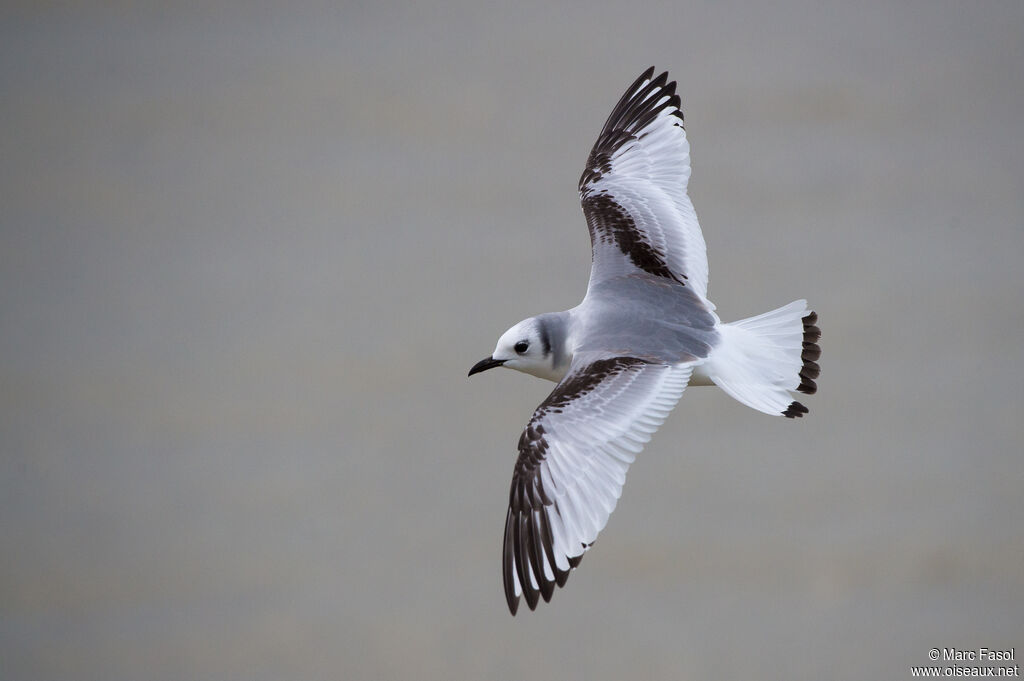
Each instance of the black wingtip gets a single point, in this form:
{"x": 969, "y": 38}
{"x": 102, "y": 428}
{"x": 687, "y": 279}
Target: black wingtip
{"x": 507, "y": 566}
{"x": 531, "y": 595}
{"x": 631, "y": 114}
{"x": 640, "y": 80}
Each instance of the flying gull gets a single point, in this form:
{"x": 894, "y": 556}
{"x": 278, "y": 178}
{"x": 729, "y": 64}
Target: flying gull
{"x": 622, "y": 357}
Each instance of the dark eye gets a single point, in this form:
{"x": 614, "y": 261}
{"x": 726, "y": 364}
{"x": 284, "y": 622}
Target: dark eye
{"x": 521, "y": 347}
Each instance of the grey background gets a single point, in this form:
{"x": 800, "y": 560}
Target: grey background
{"x": 249, "y": 252}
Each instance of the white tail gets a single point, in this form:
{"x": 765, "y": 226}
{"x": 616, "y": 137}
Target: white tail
{"x": 762, "y": 359}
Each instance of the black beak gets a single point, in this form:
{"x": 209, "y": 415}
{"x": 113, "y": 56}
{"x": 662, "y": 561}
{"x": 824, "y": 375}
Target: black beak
{"x": 485, "y": 364}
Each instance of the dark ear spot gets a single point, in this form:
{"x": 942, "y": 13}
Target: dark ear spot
{"x": 545, "y": 340}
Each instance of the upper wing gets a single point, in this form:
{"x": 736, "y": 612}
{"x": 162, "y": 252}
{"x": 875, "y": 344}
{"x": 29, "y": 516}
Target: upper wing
{"x": 633, "y": 190}
{"x": 573, "y": 458}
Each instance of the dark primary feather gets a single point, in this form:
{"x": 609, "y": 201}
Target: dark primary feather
{"x": 630, "y": 115}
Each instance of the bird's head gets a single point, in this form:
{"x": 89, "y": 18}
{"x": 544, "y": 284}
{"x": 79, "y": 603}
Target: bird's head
{"x": 525, "y": 347}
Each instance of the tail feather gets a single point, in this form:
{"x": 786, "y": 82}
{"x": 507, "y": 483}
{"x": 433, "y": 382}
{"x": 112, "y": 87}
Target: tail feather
{"x": 761, "y": 360}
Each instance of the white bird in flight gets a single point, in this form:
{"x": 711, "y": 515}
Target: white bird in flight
{"x": 622, "y": 357}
